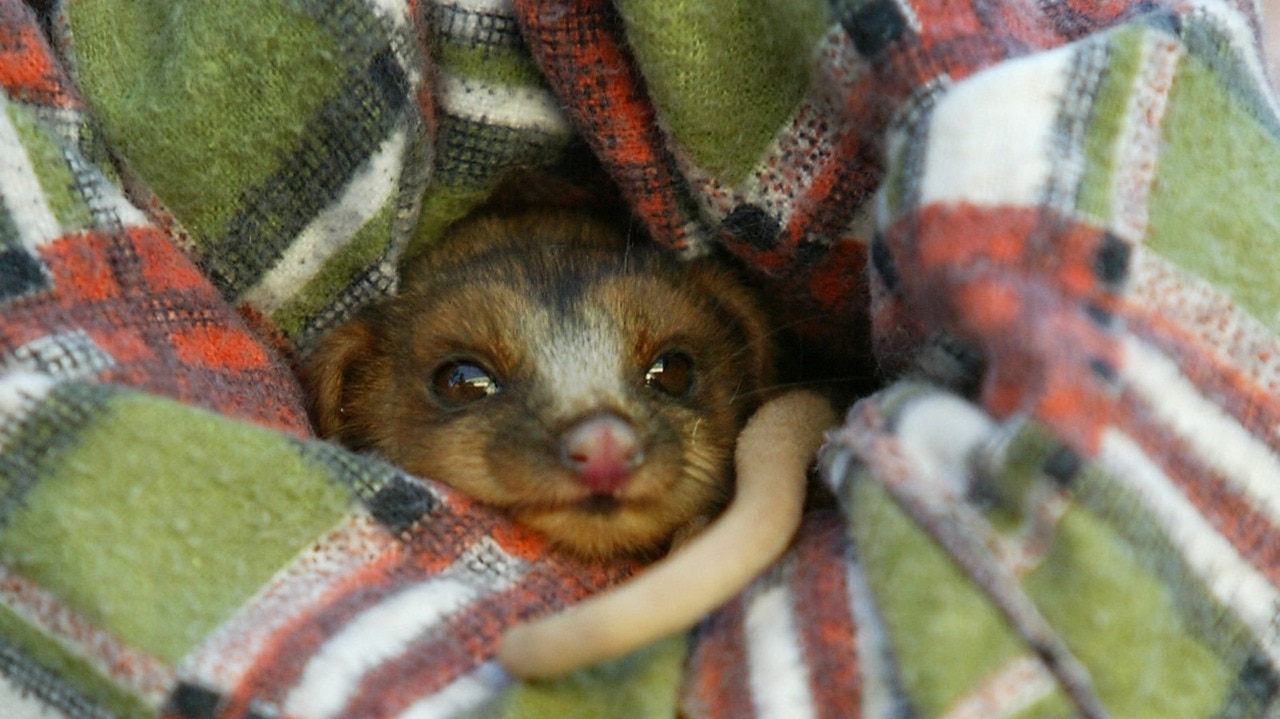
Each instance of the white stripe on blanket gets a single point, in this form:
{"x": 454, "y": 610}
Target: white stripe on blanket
{"x": 1010, "y": 160}
{"x": 1217, "y": 438}
{"x": 497, "y": 7}
{"x": 368, "y": 193}
{"x": 397, "y": 11}
{"x": 519, "y": 108}
{"x": 22, "y": 194}
{"x": 65, "y": 355}
{"x": 480, "y": 27}
{"x": 387, "y": 629}
{"x": 778, "y": 672}
{"x": 381, "y": 633}
{"x": 940, "y": 433}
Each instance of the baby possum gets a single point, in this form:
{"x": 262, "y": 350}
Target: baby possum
{"x": 591, "y": 387}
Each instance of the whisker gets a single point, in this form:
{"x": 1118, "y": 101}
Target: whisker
{"x": 802, "y": 384}
{"x": 774, "y": 332}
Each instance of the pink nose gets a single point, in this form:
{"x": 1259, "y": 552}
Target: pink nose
{"x": 603, "y": 450}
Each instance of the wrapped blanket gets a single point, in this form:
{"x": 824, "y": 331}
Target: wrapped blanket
{"x": 1043, "y": 232}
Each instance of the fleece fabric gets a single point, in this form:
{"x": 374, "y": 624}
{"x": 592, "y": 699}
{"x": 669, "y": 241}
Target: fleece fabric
{"x": 1044, "y": 235}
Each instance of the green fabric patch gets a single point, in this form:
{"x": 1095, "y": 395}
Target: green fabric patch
{"x": 9, "y": 239}
{"x": 47, "y": 431}
{"x": 1016, "y": 476}
{"x": 946, "y": 636}
{"x": 164, "y": 519}
{"x": 75, "y": 670}
{"x": 487, "y": 64}
{"x": 47, "y": 159}
{"x": 364, "y": 250}
{"x": 725, "y": 100}
{"x": 202, "y": 98}
{"x": 893, "y": 188}
{"x": 644, "y": 685}
{"x": 442, "y": 207}
{"x": 1208, "y": 40}
{"x": 1114, "y": 614}
{"x": 1106, "y": 120}
{"x": 1213, "y": 210}
{"x": 1213, "y": 627}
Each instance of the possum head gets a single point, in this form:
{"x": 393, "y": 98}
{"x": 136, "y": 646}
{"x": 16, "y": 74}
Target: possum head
{"x": 592, "y": 389}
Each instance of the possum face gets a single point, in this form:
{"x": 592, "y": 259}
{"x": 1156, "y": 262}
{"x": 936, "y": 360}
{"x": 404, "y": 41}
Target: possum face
{"x": 591, "y": 390}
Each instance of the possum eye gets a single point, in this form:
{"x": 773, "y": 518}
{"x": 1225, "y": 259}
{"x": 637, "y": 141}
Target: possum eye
{"x": 671, "y": 374}
{"x": 457, "y": 383}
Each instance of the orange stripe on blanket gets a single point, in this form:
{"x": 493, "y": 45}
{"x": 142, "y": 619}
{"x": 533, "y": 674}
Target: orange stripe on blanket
{"x": 28, "y": 70}
{"x": 611, "y": 108}
{"x": 1018, "y": 283}
{"x": 520, "y": 542}
{"x": 283, "y": 657}
{"x": 955, "y": 237}
{"x": 81, "y": 268}
{"x": 85, "y": 266}
{"x": 828, "y": 635}
{"x": 960, "y": 245}
{"x": 216, "y": 345}
{"x": 1256, "y": 408}
{"x": 717, "y": 685}
{"x": 419, "y": 555}
{"x": 1050, "y": 360}
{"x": 164, "y": 266}
{"x": 838, "y": 278}
{"x": 144, "y": 303}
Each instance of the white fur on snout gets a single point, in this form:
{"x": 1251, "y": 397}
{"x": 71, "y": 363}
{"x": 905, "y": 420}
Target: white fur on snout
{"x": 579, "y": 360}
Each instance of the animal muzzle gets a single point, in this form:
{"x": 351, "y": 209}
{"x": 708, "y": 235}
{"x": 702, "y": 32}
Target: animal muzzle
{"x": 602, "y": 451}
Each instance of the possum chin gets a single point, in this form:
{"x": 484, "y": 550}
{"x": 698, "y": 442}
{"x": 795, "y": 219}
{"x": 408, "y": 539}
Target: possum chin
{"x": 599, "y": 505}
{"x": 587, "y": 531}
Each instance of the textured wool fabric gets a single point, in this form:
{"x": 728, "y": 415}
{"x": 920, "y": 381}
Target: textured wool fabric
{"x": 747, "y": 63}
{"x": 1047, "y": 235}
{"x": 288, "y": 177}
{"x": 1109, "y": 492}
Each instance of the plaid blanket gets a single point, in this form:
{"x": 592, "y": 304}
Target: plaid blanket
{"x": 1041, "y": 231}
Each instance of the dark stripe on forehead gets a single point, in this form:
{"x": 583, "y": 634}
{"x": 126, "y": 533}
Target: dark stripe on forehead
{"x": 557, "y": 275}
{"x": 594, "y": 267}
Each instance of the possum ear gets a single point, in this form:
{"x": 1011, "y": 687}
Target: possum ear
{"x": 332, "y": 373}
{"x": 749, "y": 312}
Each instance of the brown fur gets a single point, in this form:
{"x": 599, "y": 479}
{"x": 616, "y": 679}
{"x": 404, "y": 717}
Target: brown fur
{"x": 501, "y": 290}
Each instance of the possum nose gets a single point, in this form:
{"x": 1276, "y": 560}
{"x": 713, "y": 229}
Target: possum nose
{"x": 602, "y": 450}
